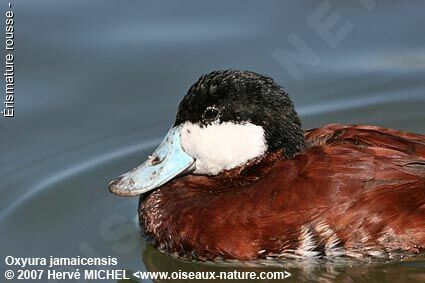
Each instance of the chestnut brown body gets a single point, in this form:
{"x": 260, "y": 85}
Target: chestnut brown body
{"x": 355, "y": 191}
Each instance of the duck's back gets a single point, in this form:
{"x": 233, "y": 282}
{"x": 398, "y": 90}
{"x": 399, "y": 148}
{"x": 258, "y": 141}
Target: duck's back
{"x": 369, "y": 153}
{"x": 377, "y": 176}
{"x": 356, "y": 191}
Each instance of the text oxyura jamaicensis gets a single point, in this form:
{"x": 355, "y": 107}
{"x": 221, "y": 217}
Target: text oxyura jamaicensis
{"x": 236, "y": 177}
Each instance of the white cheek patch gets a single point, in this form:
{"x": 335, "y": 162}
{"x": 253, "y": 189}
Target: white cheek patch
{"x": 224, "y": 146}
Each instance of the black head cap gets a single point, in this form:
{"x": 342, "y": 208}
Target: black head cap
{"x": 244, "y": 96}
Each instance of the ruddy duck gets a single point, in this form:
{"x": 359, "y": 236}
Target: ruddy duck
{"x": 236, "y": 177}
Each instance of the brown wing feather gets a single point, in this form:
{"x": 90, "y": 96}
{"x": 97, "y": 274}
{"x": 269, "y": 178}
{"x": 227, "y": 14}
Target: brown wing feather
{"x": 356, "y": 191}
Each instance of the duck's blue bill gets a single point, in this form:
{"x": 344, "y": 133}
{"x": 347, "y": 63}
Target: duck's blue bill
{"x": 168, "y": 161}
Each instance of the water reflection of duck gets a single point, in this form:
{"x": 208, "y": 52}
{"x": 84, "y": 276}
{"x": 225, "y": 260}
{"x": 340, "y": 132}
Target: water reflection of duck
{"x": 236, "y": 177}
{"x": 312, "y": 270}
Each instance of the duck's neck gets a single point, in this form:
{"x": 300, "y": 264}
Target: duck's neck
{"x": 288, "y": 138}
{"x": 253, "y": 170}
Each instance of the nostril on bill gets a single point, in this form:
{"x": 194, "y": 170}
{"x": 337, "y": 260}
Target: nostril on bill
{"x": 155, "y": 160}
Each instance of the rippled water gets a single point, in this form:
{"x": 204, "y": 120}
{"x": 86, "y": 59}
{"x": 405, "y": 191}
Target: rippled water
{"x": 97, "y": 84}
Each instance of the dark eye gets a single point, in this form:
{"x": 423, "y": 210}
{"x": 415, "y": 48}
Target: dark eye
{"x": 210, "y": 114}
